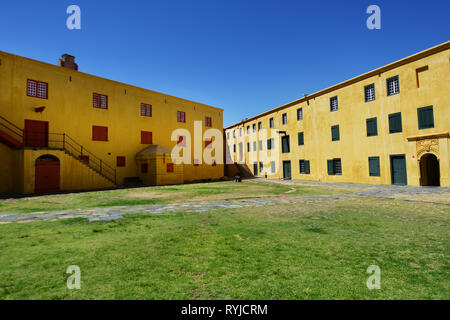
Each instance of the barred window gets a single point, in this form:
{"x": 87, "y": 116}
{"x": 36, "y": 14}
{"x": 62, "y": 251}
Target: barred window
{"x": 37, "y": 89}
{"x": 299, "y": 114}
{"x": 284, "y": 118}
{"x": 393, "y": 86}
{"x": 208, "y": 122}
{"x": 181, "y": 117}
{"x": 99, "y": 101}
{"x": 146, "y": 110}
{"x": 369, "y": 92}
{"x": 334, "y": 103}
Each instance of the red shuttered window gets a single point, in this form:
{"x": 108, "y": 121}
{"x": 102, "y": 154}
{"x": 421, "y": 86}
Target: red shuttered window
{"x": 99, "y": 133}
{"x": 146, "y": 110}
{"x": 181, "y": 141}
{"x": 208, "y": 122}
{"x": 100, "y": 101}
{"x": 146, "y": 137}
{"x": 37, "y": 89}
{"x": 181, "y": 116}
{"x": 120, "y": 161}
{"x": 170, "y": 167}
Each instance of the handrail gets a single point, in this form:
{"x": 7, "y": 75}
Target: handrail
{"x": 13, "y": 130}
{"x": 11, "y": 123}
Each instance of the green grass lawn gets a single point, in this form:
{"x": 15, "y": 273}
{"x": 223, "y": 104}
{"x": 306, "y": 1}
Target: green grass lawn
{"x": 311, "y": 251}
{"x": 223, "y": 190}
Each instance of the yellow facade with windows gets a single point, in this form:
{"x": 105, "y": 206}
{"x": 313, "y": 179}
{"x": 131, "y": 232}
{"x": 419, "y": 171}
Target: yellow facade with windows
{"x": 68, "y": 109}
{"x": 423, "y": 81}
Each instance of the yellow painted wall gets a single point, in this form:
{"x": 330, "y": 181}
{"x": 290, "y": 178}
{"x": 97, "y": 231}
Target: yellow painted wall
{"x": 69, "y": 110}
{"x": 10, "y": 175}
{"x": 354, "y": 147}
{"x": 74, "y": 176}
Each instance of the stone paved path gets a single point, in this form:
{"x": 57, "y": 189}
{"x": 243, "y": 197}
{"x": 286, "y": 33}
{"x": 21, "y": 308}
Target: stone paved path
{"x": 416, "y": 194}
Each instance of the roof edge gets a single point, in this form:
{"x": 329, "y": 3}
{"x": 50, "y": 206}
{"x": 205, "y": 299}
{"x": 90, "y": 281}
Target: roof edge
{"x": 422, "y": 54}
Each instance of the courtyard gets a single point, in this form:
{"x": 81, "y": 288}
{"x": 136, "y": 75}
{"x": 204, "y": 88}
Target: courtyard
{"x": 259, "y": 239}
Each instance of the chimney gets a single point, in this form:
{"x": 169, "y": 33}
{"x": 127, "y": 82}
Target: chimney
{"x": 68, "y": 61}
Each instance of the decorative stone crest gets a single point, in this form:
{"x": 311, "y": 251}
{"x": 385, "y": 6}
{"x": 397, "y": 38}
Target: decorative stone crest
{"x": 427, "y": 146}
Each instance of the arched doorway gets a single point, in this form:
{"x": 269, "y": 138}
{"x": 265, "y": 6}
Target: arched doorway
{"x": 429, "y": 170}
{"x": 47, "y": 174}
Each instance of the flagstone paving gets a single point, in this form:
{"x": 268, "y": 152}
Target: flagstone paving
{"x": 400, "y": 193}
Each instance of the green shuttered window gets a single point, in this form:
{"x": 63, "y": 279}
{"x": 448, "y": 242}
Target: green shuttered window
{"x": 285, "y": 145}
{"x": 335, "y": 133}
{"x": 374, "y": 166}
{"x": 334, "y": 166}
{"x": 425, "y": 117}
{"x": 372, "y": 127}
{"x": 304, "y": 166}
{"x": 395, "y": 122}
{"x": 301, "y": 139}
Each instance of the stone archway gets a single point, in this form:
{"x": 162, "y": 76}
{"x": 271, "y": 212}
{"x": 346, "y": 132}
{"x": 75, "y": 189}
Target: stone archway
{"x": 429, "y": 170}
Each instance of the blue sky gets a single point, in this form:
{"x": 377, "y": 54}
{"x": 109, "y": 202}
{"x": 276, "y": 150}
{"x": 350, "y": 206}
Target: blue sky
{"x": 244, "y": 56}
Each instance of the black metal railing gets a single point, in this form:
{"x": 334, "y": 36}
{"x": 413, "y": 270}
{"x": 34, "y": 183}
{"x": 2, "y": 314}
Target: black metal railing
{"x": 62, "y": 141}
{"x": 11, "y": 129}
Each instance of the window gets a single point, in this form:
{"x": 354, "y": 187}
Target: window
{"x": 334, "y": 167}
{"x": 301, "y": 140}
{"x": 146, "y": 110}
{"x": 299, "y": 114}
{"x": 99, "y": 133}
{"x": 369, "y": 93}
{"x": 248, "y": 129}
{"x": 254, "y": 128}
{"x": 37, "y": 89}
{"x": 99, "y": 101}
{"x": 261, "y": 167}
{"x": 304, "y": 166}
{"x": 271, "y": 122}
{"x": 395, "y": 122}
{"x": 259, "y": 126}
{"x": 393, "y": 86}
{"x": 335, "y": 133}
{"x": 170, "y": 167}
{"x": 208, "y": 122}
{"x": 240, "y": 132}
{"x": 254, "y": 145}
{"x": 248, "y": 146}
{"x": 146, "y": 137}
{"x": 144, "y": 168}
{"x": 269, "y": 144}
{"x": 371, "y": 125}
{"x": 228, "y": 135}
{"x": 234, "y": 134}
{"x": 181, "y": 117}
{"x": 260, "y": 145}
{"x": 425, "y": 117}
{"x": 84, "y": 159}
{"x": 284, "y": 118}
{"x": 120, "y": 161}
{"x": 374, "y": 166}
{"x": 421, "y": 75}
{"x": 272, "y": 166}
{"x": 208, "y": 143}
{"x": 234, "y": 147}
{"x": 285, "y": 145}
{"x": 333, "y": 103}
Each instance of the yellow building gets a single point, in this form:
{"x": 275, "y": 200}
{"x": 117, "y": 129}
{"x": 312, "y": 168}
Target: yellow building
{"x": 387, "y": 126}
{"x": 61, "y": 129}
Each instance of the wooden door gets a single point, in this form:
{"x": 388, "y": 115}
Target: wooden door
{"x": 47, "y": 176}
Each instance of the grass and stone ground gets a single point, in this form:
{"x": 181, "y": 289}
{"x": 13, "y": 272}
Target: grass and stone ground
{"x": 303, "y": 242}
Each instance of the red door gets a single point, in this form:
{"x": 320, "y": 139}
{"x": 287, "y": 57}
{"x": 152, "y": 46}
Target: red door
{"x": 46, "y": 176}
{"x": 36, "y": 133}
